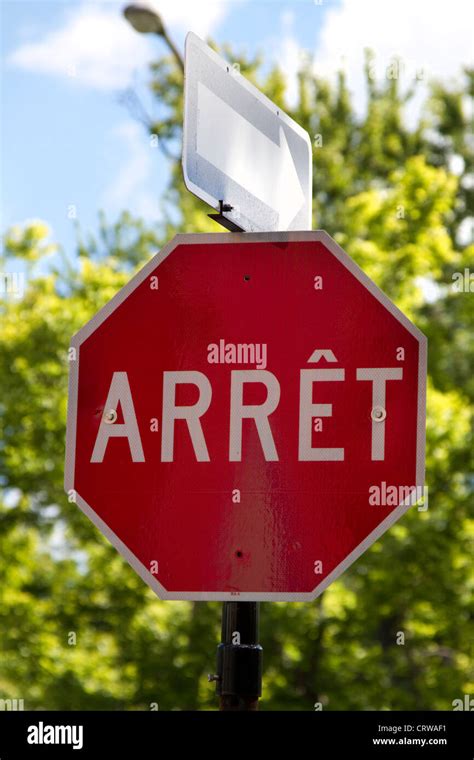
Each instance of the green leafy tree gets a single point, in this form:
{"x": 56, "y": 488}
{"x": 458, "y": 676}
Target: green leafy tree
{"x": 78, "y": 628}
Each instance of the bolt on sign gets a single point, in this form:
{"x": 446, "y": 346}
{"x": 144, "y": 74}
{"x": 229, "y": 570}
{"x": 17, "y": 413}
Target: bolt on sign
{"x": 233, "y": 408}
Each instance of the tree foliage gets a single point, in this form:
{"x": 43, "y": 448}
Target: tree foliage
{"x": 388, "y": 194}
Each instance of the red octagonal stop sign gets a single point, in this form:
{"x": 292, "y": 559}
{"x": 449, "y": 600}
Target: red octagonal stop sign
{"x": 246, "y": 416}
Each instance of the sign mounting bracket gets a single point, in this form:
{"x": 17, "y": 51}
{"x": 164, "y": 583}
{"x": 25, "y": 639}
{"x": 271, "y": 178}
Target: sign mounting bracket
{"x": 220, "y": 218}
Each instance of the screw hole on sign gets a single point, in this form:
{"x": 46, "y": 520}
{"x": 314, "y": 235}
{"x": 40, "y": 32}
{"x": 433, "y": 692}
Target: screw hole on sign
{"x": 110, "y": 416}
{"x": 239, "y": 554}
{"x": 246, "y": 277}
{"x": 378, "y": 414}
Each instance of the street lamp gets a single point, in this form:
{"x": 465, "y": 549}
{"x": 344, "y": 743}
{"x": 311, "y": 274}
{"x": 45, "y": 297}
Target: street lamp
{"x": 146, "y": 20}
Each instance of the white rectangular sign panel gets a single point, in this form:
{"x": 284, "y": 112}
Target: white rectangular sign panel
{"x": 240, "y": 150}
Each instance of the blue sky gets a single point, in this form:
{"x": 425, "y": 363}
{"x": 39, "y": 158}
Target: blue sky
{"x": 68, "y": 142}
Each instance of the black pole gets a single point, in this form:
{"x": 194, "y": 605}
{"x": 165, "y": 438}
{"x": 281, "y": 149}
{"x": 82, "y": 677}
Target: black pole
{"x": 173, "y": 48}
{"x": 239, "y": 657}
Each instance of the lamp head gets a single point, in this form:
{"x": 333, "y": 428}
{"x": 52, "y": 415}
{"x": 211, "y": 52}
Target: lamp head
{"x": 143, "y": 19}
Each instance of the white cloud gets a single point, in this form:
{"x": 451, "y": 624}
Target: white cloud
{"x": 97, "y": 47}
{"x": 131, "y": 188}
{"x": 429, "y": 36}
{"x": 94, "y": 47}
{"x": 199, "y": 16}
{"x": 289, "y": 56}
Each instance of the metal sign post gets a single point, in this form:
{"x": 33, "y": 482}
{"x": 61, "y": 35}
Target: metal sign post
{"x": 239, "y": 657}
